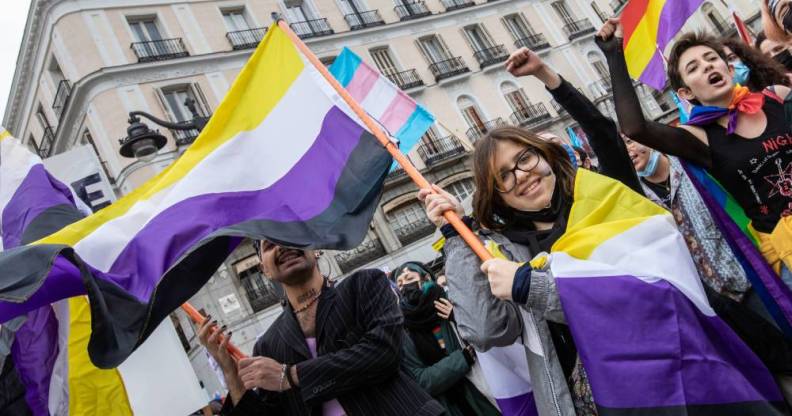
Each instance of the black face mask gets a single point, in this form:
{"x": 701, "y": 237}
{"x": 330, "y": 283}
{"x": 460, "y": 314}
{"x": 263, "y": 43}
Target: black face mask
{"x": 411, "y": 292}
{"x": 785, "y": 58}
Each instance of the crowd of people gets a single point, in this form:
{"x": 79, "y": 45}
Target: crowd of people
{"x": 408, "y": 343}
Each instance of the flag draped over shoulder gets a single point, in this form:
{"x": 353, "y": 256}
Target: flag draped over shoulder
{"x": 649, "y": 25}
{"x": 50, "y": 348}
{"x": 646, "y": 334}
{"x": 401, "y": 116}
{"x": 282, "y": 158}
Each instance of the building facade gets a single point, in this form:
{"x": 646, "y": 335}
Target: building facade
{"x": 85, "y": 65}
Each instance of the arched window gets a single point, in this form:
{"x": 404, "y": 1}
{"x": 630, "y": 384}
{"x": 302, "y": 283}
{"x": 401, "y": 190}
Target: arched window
{"x": 515, "y": 96}
{"x": 461, "y": 189}
{"x": 472, "y": 113}
{"x": 715, "y": 19}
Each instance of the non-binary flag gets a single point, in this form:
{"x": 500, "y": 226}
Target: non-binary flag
{"x": 649, "y": 25}
{"x": 401, "y": 116}
{"x": 49, "y": 351}
{"x": 282, "y": 159}
{"x": 646, "y": 334}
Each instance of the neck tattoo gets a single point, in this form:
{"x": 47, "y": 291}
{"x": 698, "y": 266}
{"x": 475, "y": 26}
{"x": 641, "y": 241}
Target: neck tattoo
{"x": 306, "y": 296}
{"x": 302, "y": 298}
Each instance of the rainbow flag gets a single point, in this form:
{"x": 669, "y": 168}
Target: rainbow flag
{"x": 283, "y": 158}
{"x": 399, "y": 114}
{"x": 649, "y": 25}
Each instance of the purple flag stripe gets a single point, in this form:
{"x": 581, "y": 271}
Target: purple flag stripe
{"x": 303, "y": 193}
{"x": 663, "y": 352}
{"x": 654, "y": 75}
{"x": 37, "y": 192}
{"x": 34, "y": 351}
{"x": 522, "y": 405}
{"x": 674, "y": 15}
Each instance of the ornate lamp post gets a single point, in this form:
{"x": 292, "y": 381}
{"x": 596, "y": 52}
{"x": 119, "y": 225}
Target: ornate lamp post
{"x": 143, "y": 143}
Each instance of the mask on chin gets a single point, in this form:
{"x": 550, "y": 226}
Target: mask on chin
{"x": 784, "y": 58}
{"x": 651, "y": 165}
{"x": 741, "y": 73}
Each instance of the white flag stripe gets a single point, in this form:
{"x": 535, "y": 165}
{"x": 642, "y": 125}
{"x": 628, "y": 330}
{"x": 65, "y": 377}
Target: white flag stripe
{"x": 379, "y": 98}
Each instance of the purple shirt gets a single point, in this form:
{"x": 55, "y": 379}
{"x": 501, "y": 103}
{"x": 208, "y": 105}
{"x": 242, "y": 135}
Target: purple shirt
{"x": 333, "y": 407}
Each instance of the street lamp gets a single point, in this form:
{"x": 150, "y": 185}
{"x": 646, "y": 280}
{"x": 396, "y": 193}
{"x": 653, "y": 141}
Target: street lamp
{"x": 143, "y": 143}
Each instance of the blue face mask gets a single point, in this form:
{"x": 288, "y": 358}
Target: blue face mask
{"x": 651, "y": 165}
{"x": 741, "y": 73}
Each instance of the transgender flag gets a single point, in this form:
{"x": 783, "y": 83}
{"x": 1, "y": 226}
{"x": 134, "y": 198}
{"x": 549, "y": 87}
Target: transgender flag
{"x": 282, "y": 158}
{"x": 646, "y": 334}
{"x": 399, "y": 114}
{"x": 649, "y": 25}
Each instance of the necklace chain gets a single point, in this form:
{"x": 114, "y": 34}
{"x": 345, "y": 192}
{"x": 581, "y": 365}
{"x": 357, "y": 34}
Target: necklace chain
{"x": 307, "y": 305}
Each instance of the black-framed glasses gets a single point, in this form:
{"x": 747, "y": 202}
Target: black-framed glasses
{"x": 527, "y": 161}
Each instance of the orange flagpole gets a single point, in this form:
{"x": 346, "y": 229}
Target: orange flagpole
{"x": 450, "y": 216}
{"x": 196, "y": 316}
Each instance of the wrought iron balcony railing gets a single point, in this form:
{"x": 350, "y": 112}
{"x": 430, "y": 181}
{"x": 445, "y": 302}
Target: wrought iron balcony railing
{"x": 451, "y": 5}
{"x": 437, "y": 150}
{"x": 370, "y": 250}
{"x": 260, "y": 294}
{"x": 617, "y": 5}
{"x": 477, "y": 132}
{"x": 412, "y": 10}
{"x": 406, "y": 79}
{"x": 62, "y": 97}
{"x": 362, "y": 20}
{"x": 312, "y": 28}
{"x": 159, "y": 50}
{"x": 560, "y": 110}
{"x": 491, "y": 56}
{"x": 578, "y": 29}
{"x": 530, "y": 115}
{"x": 47, "y": 142}
{"x": 185, "y": 137}
{"x": 448, "y": 68}
{"x": 415, "y": 231}
{"x": 246, "y": 39}
{"x": 398, "y": 172}
{"x": 535, "y": 42}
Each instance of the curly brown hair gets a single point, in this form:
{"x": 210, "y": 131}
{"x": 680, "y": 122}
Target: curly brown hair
{"x": 488, "y": 206}
{"x": 764, "y": 71}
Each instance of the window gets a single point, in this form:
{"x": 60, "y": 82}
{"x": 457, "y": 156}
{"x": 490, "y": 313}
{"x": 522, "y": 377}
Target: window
{"x": 260, "y": 291}
{"x": 33, "y": 145}
{"x": 715, "y": 18}
{"x": 300, "y": 11}
{"x": 461, "y": 189}
{"x": 602, "y": 16}
{"x": 176, "y": 100}
{"x": 471, "y": 113}
{"x": 352, "y": 7}
{"x": 434, "y": 49}
{"x": 515, "y": 97}
{"x": 407, "y": 215}
{"x": 430, "y": 140}
{"x": 384, "y": 60}
{"x": 145, "y": 29}
{"x": 518, "y": 26}
{"x": 478, "y": 38}
{"x": 55, "y": 72}
{"x": 235, "y": 20}
{"x": 563, "y": 12}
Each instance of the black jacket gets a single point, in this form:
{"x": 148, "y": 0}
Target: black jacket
{"x": 359, "y": 336}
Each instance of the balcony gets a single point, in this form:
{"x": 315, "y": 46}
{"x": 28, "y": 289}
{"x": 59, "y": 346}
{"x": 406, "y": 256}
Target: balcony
{"x": 451, "y": 5}
{"x": 47, "y": 142}
{"x": 311, "y": 28}
{"x": 561, "y": 111}
{"x": 535, "y": 42}
{"x": 159, "y": 50}
{"x": 578, "y": 29}
{"x": 617, "y": 5}
{"x": 246, "y": 39}
{"x": 448, "y": 68}
{"x": 61, "y": 97}
{"x": 601, "y": 88}
{"x": 370, "y": 250}
{"x": 362, "y": 20}
{"x": 477, "y": 132}
{"x": 412, "y": 10}
{"x": 260, "y": 293}
{"x": 438, "y": 150}
{"x": 396, "y": 173}
{"x": 530, "y": 115}
{"x": 415, "y": 231}
{"x": 184, "y": 137}
{"x": 491, "y": 56}
{"x": 406, "y": 79}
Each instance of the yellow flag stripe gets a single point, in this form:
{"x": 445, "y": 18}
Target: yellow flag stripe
{"x": 92, "y": 391}
{"x": 603, "y": 208}
{"x": 255, "y": 93}
{"x": 643, "y": 43}
{"x": 4, "y": 133}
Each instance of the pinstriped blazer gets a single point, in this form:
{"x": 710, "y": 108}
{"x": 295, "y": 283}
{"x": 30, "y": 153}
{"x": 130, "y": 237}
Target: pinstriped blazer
{"x": 358, "y": 335}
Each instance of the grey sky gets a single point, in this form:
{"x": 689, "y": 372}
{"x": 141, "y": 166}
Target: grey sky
{"x": 12, "y": 20}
